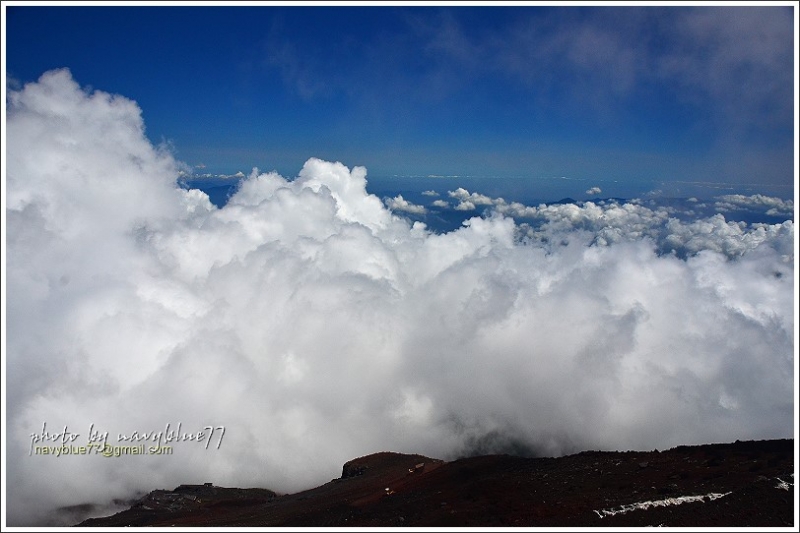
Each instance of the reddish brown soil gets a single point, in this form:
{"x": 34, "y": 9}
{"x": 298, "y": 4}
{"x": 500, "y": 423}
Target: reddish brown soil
{"x": 501, "y": 490}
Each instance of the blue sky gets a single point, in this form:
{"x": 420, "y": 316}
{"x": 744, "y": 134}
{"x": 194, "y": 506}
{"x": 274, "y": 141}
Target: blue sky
{"x": 627, "y": 94}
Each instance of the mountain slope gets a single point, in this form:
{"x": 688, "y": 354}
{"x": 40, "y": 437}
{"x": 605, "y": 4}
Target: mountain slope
{"x": 739, "y": 484}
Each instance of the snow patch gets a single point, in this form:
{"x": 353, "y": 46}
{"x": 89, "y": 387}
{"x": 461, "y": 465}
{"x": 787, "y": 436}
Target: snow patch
{"x": 784, "y": 485}
{"x": 659, "y": 503}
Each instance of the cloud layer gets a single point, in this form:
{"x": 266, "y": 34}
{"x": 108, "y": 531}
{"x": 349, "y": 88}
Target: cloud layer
{"x": 315, "y": 325}
{"x": 609, "y": 221}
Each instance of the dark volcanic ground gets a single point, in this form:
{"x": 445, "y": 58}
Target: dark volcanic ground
{"x": 726, "y": 485}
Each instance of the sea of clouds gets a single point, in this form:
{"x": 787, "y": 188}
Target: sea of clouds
{"x": 316, "y": 324}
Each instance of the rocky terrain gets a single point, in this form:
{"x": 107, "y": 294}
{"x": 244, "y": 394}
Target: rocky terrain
{"x": 722, "y": 485}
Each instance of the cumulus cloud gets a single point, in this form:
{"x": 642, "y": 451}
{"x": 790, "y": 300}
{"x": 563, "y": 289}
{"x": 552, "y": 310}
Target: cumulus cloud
{"x": 726, "y": 237}
{"x": 467, "y": 201}
{"x": 398, "y": 203}
{"x": 594, "y": 190}
{"x": 464, "y": 195}
{"x": 316, "y": 326}
{"x": 440, "y": 203}
{"x": 608, "y": 222}
{"x": 430, "y": 193}
{"x": 757, "y": 202}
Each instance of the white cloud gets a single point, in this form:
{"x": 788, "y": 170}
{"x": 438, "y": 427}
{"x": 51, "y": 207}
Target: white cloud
{"x": 430, "y": 193}
{"x": 440, "y": 203}
{"x": 594, "y": 190}
{"x": 398, "y": 203}
{"x": 464, "y": 195}
{"x": 757, "y": 203}
{"x": 317, "y": 327}
{"x": 611, "y": 222}
{"x": 469, "y": 202}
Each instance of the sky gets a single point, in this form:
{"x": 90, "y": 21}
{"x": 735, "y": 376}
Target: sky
{"x": 309, "y": 321}
{"x": 628, "y": 95}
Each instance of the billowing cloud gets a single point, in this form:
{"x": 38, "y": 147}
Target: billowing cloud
{"x": 594, "y": 190}
{"x": 398, "y": 203}
{"x": 440, "y": 203}
{"x": 316, "y": 326}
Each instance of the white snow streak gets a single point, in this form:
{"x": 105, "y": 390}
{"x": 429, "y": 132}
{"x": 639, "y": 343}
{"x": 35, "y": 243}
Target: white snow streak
{"x": 660, "y": 503}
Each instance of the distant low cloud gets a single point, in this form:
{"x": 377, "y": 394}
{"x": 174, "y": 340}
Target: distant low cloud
{"x": 464, "y": 195}
{"x": 440, "y": 203}
{"x": 467, "y": 201}
{"x": 609, "y": 222}
{"x": 593, "y": 191}
{"x": 757, "y": 203}
{"x": 430, "y": 193}
{"x": 398, "y": 203}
